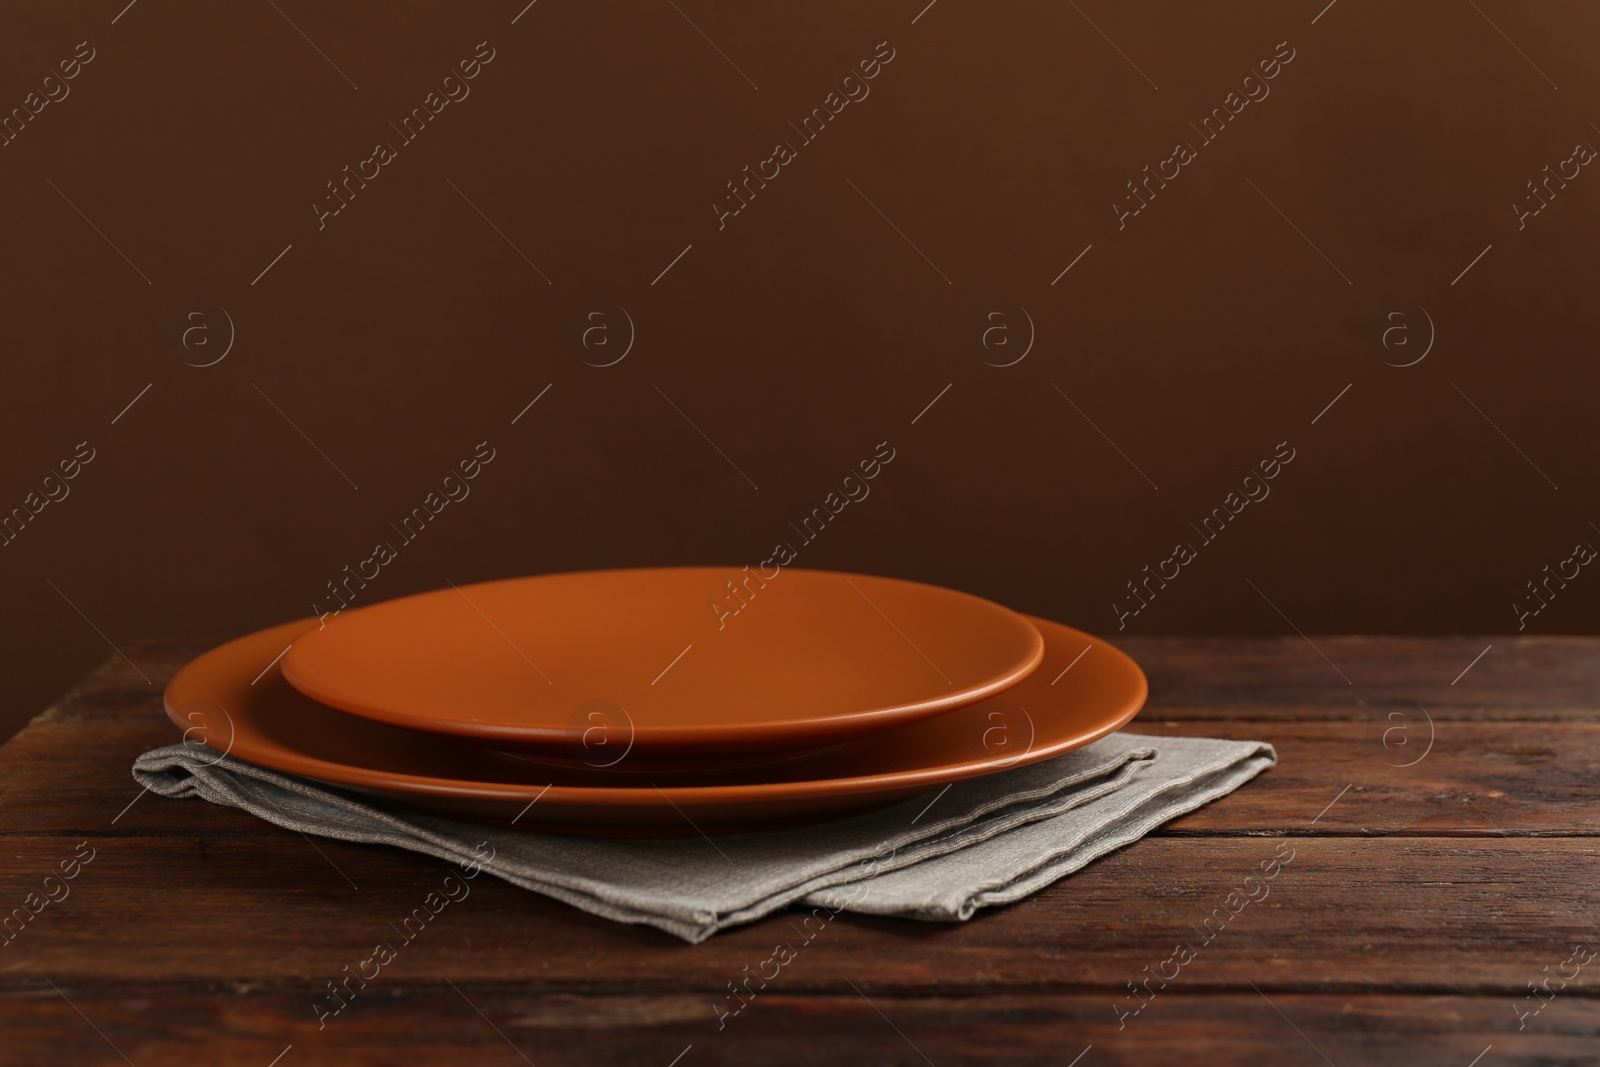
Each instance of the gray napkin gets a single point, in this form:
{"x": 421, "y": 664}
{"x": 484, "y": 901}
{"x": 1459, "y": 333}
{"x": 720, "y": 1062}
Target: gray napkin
{"x": 940, "y": 856}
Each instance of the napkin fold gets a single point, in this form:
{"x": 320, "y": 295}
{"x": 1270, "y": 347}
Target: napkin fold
{"x": 940, "y": 856}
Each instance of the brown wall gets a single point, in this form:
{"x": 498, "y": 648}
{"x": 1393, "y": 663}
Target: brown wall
{"x": 1213, "y": 325}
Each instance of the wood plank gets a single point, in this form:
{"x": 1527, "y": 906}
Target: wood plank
{"x": 1287, "y": 678}
{"x": 62, "y": 775}
{"x": 1477, "y": 778}
{"x": 199, "y": 934}
{"x": 424, "y": 1026}
{"x": 1345, "y": 914}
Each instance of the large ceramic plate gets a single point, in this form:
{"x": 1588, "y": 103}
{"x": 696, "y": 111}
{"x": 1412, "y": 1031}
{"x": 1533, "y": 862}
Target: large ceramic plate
{"x": 673, "y": 661}
{"x": 234, "y": 701}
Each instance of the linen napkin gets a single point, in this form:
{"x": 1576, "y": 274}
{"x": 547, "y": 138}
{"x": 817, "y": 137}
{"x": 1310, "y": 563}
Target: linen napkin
{"x": 939, "y": 856}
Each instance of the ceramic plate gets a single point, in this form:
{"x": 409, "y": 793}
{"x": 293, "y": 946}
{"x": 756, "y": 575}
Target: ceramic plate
{"x": 1084, "y": 689}
{"x": 666, "y": 662}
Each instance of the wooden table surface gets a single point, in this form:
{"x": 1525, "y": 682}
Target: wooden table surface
{"x": 1439, "y": 828}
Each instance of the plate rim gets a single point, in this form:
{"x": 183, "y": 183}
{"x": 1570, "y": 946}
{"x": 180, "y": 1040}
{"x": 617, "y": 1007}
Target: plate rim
{"x": 351, "y": 776}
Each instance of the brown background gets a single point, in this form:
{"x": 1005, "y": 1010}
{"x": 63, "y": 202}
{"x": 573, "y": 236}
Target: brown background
{"x": 809, "y": 330}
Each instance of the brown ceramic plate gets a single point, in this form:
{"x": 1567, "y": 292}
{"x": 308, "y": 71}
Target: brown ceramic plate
{"x": 1084, "y": 690}
{"x": 661, "y": 659}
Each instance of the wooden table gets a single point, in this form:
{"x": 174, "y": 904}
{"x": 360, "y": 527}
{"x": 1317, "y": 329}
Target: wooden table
{"x": 1430, "y": 883}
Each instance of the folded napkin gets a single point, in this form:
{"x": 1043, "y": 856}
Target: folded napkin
{"x": 940, "y": 856}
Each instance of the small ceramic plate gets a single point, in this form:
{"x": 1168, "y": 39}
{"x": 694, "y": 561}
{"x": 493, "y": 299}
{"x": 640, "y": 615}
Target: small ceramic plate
{"x": 232, "y": 701}
{"x": 696, "y": 662}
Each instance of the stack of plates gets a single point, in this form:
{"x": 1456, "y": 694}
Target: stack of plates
{"x": 658, "y": 701}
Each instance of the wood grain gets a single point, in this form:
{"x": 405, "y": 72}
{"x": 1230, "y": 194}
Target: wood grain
{"x": 1555, "y": 678}
{"x": 1443, "y": 915}
{"x": 443, "y": 1026}
{"x": 1445, "y": 854}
